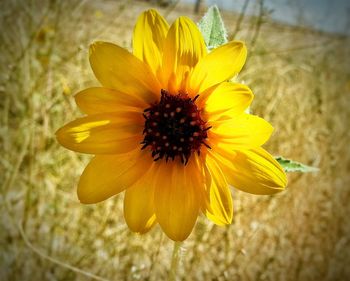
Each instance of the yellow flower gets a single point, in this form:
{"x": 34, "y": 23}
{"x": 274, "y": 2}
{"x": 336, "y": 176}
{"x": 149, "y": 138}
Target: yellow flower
{"x": 168, "y": 128}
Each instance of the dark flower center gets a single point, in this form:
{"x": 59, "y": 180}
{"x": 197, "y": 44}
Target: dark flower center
{"x": 173, "y": 127}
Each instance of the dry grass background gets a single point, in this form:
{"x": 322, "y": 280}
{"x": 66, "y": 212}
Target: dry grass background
{"x": 301, "y": 80}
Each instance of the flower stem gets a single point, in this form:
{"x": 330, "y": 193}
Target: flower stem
{"x": 175, "y": 260}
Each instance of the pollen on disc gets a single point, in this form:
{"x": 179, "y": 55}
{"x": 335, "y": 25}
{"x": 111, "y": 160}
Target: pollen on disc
{"x": 174, "y": 128}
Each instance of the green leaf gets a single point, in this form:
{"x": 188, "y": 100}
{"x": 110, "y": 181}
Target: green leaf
{"x": 213, "y": 28}
{"x": 294, "y": 166}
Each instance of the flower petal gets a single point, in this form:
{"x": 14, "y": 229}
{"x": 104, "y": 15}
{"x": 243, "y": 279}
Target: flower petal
{"x": 253, "y": 171}
{"x": 184, "y": 47}
{"x": 245, "y": 130}
{"x": 220, "y": 65}
{"x": 231, "y": 98}
{"x": 101, "y": 100}
{"x": 116, "y": 68}
{"x": 148, "y": 40}
{"x": 176, "y": 199}
{"x": 107, "y": 175}
{"x": 139, "y": 204}
{"x": 218, "y": 198}
{"x": 108, "y": 133}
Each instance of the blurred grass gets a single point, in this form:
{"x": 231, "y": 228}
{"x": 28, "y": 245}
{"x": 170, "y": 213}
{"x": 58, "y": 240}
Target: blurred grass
{"x": 301, "y": 81}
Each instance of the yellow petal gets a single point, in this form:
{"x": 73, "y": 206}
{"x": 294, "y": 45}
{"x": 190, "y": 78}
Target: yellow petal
{"x": 148, "y": 40}
{"x": 227, "y": 99}
{"x": 108, "y": 133}
{"x": 218, "y": 199}
{"x": 245, "y": 130}
{"x": 107, "y": 175}
{"x": 139, "y": 204}
{"x": 220, "y": 65}
{"x": 184, "y": 47}
{"x": 116, "y": 68}
{"x": 253, "y": 171}
{"x": 100, "y": 100}
{"x": 176, "y": 199}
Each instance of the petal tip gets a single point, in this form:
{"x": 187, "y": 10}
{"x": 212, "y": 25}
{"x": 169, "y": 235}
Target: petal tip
{"x": 240, "y": 44}
{"x": 87, "y": 201}
{"x": 151, "y": 12}
{"x": 140, "y": 226}
{"x": 281, "y": 180}
{"x": 243, "y": 49}
{"x": 59, "y": 134}
{"x": 93, "y": 46}
{"x": 220, "y": 220}
{"x": 177, "y": 237}
{"x": 84, "y": 197}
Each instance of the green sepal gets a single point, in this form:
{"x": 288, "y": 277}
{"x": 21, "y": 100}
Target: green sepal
{"x": 212, "y": 28}
{"x": 294, "y": 166}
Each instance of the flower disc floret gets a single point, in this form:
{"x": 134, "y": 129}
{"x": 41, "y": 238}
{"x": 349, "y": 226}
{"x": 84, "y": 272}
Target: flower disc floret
{"x": 174, "y": 127}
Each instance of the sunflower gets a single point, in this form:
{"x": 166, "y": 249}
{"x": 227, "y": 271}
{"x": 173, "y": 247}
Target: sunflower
{"x": 168, "y": 128}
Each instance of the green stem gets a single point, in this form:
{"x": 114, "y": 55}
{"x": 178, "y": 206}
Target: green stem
{"x": 175, "y": 260}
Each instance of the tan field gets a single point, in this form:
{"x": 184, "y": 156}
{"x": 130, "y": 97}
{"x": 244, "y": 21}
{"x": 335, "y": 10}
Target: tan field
{"x": 301, "y": 81}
